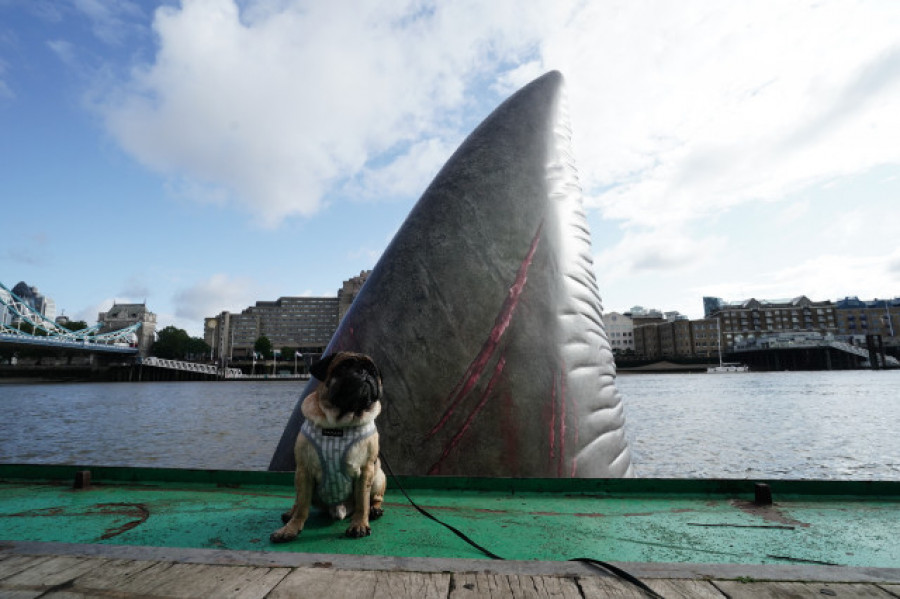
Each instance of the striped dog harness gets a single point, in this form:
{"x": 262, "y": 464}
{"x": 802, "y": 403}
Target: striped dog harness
{"x": 332, "y": 445}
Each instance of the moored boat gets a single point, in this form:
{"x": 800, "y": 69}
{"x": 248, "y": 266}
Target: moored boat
{"x": 725, "y": 367}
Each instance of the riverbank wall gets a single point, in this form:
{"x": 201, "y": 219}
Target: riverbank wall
{"x": 96, "y": 374}
{"x": 129, "y": 373}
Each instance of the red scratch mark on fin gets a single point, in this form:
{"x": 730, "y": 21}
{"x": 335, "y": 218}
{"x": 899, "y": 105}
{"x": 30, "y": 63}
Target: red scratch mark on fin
{"x": 553, "y": 421}
{"x": 575, "y": 434}
{"x": 489, "y": 347}
{"x": 562, "y": 420}
{"x": 462, "y": 431}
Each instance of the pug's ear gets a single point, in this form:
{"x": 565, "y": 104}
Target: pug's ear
{"x": 320, "y": 368}
{"x": 375, "y": 371}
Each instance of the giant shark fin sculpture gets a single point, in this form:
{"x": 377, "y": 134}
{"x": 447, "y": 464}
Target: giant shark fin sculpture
{"x": 483, "y": 314}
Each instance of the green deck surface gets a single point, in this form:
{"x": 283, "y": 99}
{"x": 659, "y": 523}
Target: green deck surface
{"x": 623, "y": 520}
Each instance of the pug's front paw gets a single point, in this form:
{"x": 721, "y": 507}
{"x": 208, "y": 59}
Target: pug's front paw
{"x": 283, "y": 535}
{"x": 358, "y": 531}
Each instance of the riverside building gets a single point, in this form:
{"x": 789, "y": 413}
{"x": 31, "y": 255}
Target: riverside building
{"x": 750, "y": 319}
{"x": 620, "y": 331}
{"x": 858, "y": 318}
{"x": 121, "y": 316}
{"x": 765, "y": 322}
{"x": 38, "y": 302}
{"x": 849, "y": 319}
{"x": 301, "y": 324}
{"x": 677, "y": 338}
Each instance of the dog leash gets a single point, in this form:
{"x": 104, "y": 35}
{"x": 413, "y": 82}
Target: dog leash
{"x": 599, "y": 564}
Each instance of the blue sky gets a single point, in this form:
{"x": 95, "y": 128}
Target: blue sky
{"x": 206, "y": 154}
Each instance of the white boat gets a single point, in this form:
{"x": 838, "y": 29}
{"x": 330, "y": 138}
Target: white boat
{"x": 725, "y": 367}
{"x": 728, "y": 367}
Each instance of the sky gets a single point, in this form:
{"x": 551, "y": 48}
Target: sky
{"x": 203, "y": 155}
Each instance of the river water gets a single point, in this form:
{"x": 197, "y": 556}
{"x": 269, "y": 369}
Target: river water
{"x": 796, "y": 425}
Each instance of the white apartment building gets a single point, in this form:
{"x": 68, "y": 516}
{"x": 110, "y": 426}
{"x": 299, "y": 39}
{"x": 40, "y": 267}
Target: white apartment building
{"x": 620, "y": 331}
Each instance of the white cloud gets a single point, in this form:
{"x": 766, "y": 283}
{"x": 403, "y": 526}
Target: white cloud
{"x": 682, "y": 111}
{"x": 823, "y": 277}
{"x": 89, "y": 313}
{"x": 668, "y": 251}
{"x": 110, "y": 19}
{"x": 513, "y": 80}
{"x": 29, "y": 249}
{"x": 280, "y": 105}
{"x": 405, "y": 176}
{"x": 864, "y": 276}
{"x": 23, "y": 256}
{"x": 893, "y": 268}
{"x": 850, "y": 227}
{"x": 65, "y": 50}
{"x": 135, "y": 289}
{"x": 369, "y": 254}
{"x": 792, "y": 213}
{"x": 213, "y": 295}
{"x": 6, "y": 91}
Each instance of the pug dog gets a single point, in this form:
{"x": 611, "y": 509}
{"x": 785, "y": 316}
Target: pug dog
{"x": 338, "y": 467}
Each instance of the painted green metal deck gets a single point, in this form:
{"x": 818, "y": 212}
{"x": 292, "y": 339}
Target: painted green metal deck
{"x": 855, "y": 524}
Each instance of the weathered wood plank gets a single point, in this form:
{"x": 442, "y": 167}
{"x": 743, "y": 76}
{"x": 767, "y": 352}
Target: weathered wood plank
{"x": 799, "y": 590}
{"x": 124, "y": 577}
{"x": 419, "y": 585}
{"x": 253, "y": 583}
{"x": 67, "y": 594}
{"x": 467, "y": 585}
{"x": 556, "y": 587}
{"x": 141, "y": 582}
{"x": 684, "y": 589}
{"x": 314, "y": 583}
{"x": 52, "y": 572}
{"x": 69, "y": 577}
{"x": 670, "y": 589}
{"x": 470, "y": 585}
{"x": 612, "y": 588}
{"x": 326, "y": 582}
{"x": 136, "y": 577}
{"x": 111, "y": 574}
{"x": 20, "y": 593}
{"x": 13, "y": 564}
{"x": 202, "y": 580}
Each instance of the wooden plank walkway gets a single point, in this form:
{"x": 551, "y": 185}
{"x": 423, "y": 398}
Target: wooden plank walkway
{"x": 74, "y": 576}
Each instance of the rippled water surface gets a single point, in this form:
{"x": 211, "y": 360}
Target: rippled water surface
{"x": 219, "y": 425}
{"x": 814, "y": 425}
{"x": 809, "y": 425}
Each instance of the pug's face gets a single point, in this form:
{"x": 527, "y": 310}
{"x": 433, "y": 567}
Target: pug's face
{"x": 352, "y": 382}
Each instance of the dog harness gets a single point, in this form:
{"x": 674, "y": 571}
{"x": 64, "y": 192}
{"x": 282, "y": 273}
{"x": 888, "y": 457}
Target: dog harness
{"x": 332, "y": 445}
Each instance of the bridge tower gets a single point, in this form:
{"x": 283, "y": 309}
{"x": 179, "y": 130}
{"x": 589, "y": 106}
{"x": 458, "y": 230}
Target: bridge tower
{"x": 121, "y": 316}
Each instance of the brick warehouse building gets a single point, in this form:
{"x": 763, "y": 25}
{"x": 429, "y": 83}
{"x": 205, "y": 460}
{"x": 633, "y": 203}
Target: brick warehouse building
{"x": 849, "y": 320}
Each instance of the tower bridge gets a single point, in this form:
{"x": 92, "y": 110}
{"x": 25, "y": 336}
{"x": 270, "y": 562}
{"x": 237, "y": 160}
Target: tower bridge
{"x": 118, "y": 332}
